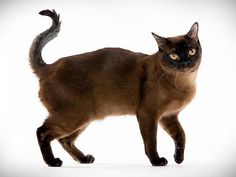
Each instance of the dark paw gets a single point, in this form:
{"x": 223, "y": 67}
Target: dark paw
{"x": 160, "y": 162}
{"x": 87, "y": 159}
{"x": 179, "y": 155}
{"x": 179, "y": 158}
{"x": 55, "y": 163}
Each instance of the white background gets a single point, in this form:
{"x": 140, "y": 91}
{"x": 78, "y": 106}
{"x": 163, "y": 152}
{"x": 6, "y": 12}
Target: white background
{"x": 209, "y": 121}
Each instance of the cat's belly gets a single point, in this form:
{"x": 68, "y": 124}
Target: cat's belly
{"x": 114, "y": 110}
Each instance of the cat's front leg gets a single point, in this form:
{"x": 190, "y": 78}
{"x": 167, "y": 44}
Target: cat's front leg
{"x": 173, "y": 127}
{"x": 148, "y": 128}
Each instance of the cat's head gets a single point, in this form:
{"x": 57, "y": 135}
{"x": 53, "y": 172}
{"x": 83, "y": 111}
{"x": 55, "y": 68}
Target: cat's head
{"x": 180, "y": 53}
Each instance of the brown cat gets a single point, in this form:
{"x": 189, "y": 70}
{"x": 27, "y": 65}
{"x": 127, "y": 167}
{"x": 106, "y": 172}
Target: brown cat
{"x": 79, "y": 89}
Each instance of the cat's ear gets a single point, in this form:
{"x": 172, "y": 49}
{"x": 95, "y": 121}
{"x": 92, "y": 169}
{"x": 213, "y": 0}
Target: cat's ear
{"x": 160, "y": 40}
{"x": 193, "y": 32}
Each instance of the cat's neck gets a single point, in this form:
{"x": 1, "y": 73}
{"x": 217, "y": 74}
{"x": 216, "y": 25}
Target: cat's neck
{"x": 181, "y": 81}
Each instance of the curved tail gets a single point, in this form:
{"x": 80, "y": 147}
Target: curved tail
{"x": 35, "y": 56}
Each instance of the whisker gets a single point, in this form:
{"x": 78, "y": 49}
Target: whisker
{"x": 157, "y": 72}
{"x": 163, "y": 75}
{"x": 176, "y": 75}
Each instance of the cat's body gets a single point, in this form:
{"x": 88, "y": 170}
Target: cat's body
{"x": 113, "y": 75}
{"x": 79, "y": 89}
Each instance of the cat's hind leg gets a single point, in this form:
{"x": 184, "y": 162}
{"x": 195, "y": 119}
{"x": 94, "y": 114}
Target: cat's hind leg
{"x": 173, "y": 127}
{"x": 68, "y": 143}
{"x": 45, "y": 136}
{"x": 54, "y": 127}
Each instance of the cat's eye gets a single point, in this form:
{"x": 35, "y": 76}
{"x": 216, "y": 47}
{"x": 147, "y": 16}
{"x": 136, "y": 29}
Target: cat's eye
{"x": 192, "y": 51}
{"x": 174, "y": 56}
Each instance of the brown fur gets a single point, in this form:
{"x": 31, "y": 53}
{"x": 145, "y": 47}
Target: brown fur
{"x": 77, "y": 90}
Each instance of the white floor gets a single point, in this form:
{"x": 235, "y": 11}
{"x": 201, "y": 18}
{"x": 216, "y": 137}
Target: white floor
{"x": 120, "y": 170}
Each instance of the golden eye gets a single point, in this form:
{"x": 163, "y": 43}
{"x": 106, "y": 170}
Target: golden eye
{"x": 174, "y": 56}
{"x": 192, "y": 51}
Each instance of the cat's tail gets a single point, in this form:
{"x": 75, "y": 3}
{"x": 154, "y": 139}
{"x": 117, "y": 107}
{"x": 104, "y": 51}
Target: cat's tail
{"x": 35, "y": 56}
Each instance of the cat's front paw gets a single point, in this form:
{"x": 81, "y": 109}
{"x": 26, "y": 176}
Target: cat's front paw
{"x": 179, "y": 155}
{"x": 160, "y": 162}
{"x": 87, "y": 159}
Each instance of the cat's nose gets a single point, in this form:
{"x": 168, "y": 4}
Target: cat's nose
{"x": 186, "y": 63}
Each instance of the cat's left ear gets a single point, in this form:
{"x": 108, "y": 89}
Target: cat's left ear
{"x": 160, "y": 40}
{"x": 193, "y": 33}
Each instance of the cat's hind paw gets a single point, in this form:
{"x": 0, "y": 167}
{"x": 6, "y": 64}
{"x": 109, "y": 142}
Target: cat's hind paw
{"x": 87, "y": 159}
{"x": 55, "y": 163}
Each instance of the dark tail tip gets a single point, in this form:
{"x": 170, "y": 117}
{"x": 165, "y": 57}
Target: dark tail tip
{"x": 52, "y": 14}
{"x": 48, "y": 13}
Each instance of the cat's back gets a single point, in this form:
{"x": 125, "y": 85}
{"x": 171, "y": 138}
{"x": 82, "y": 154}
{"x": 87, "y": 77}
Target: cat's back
{"x": 106, "y": 57}
{"x": 112, "y": 62}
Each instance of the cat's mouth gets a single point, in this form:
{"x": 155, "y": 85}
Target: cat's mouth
{"x": 183, "y": 66}
{"x": 186, "y": 66}
{"x": 186, "y": 70}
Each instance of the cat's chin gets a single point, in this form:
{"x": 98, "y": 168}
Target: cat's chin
{"x": 185, "y": 70}
{"x": 174, "y": 71}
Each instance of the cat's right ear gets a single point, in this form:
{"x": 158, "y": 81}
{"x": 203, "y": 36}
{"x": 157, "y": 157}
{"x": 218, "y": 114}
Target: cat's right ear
{"x": 160, "y": 40}
{"x": 193, "y": 33}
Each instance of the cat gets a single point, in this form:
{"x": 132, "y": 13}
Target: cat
{"x": 79, "y": 89}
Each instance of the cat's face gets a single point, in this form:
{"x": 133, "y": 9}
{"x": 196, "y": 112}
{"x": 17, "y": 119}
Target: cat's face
{"x": 181, "y": 53}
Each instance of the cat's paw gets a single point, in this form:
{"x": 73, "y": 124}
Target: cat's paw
{"x": 87, "y": 159}
{"x": 55, "y": 163}
{"x": 178, "y": 159}
{"x": 179, "y": 155}
{"x": 160, "y": 162}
